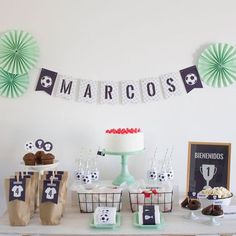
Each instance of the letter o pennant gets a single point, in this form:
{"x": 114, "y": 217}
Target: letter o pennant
{"x": 151, "y": 90}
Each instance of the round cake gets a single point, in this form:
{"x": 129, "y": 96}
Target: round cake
{"x": 124, "y": 140}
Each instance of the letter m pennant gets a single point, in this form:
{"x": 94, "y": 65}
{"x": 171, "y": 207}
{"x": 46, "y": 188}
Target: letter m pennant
{"x": 66, "y": 87}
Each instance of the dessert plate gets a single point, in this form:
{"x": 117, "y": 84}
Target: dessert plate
{"x": 191, "y": 214}
{"x": 136, "y": 222}
{"x": 40, "y": 168}
{"x": 107, "y": 226}
{"x": 212, "y": 220}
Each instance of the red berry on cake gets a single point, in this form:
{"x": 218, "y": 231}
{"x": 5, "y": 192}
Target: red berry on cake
{"x": 131, "y": 130}
{"x": 123, "y": 131}
{"x": 139, "y": 130}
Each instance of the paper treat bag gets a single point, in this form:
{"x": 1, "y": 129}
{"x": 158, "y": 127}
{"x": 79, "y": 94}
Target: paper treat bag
{"x": 63, "y": 177}
{"x": 33, "y": 188}
{"x": 51, "y": 206}
{"x": 17, "y": 191}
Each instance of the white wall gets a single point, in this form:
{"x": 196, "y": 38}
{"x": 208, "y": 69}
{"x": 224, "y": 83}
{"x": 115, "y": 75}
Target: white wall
{"x": 118, "y": 40}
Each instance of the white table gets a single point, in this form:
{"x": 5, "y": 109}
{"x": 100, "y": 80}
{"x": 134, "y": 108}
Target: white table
{"x": 75, "y": 223}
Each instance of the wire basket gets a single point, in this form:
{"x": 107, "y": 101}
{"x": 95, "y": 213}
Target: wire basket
{"x": 163, "y": 199}
{"x": 89, "y": 201}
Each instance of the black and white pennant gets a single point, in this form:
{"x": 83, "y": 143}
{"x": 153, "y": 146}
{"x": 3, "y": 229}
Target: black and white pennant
{"x": 46, "y": 81}
{"x": 191, "y": 78}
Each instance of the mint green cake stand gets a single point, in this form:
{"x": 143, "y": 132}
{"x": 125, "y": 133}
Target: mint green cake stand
{"x": 125, "y": 176}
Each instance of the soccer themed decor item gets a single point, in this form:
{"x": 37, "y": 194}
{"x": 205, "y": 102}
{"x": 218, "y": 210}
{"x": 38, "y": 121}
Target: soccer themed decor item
{"x": 19, "y": 52}
{"x": 12, "y": 85}
{"x": 217, "y": 65}
{"x": 161, "y": 170}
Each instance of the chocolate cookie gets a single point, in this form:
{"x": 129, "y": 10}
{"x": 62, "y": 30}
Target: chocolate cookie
{"x": 207, "y": 210}
{"x": 194, "y": 204}
{"x": 184, "y": 203}
{"x": 217, "y": 211}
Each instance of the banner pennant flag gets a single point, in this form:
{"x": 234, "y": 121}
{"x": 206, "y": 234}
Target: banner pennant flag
{"x": 191, "y": 78}
{"x": 46, "y": 81}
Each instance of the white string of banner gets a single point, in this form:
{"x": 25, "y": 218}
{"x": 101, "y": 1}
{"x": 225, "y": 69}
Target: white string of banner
{"x": 119, "y": 92}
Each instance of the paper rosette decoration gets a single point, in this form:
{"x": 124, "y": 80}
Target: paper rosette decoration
{"x": 18, "y": 52}
{"x": 217, "y": 65}
{"x": 12, "y": 85}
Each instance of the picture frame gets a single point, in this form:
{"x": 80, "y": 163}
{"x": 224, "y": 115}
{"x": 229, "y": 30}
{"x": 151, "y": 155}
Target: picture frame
{"x": 208, "y": 165}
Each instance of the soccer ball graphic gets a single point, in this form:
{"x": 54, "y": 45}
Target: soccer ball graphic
{"x": 162, "y": 177}
{"x": 79, "y": 175}
{"x": 94, "y": 175}
{"x": 86, "y": 179}
{"x": 29, "y": 146}
{"x": 191, "y": 79}
{"x": 46, "y": 81}
{"x": 170, "y": 174}
{"x": 104, "y": 218}
{"x": 152, "y": 174}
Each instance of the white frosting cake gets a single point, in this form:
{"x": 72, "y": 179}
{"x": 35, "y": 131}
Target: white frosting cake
{"x": 124, "y": 140}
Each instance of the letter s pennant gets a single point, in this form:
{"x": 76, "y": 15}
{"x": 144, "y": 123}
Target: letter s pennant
{"x": 172, "y": 84}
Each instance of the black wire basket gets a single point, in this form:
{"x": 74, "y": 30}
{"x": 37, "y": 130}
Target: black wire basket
{"x": 163, "y": 199}
{"x": 89, "y": 201}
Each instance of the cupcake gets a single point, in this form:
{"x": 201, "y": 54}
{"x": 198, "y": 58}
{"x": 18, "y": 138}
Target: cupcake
{"x": 29, "y": 159}
{"x": 47, "y": 159}
{"x": 38, "y": 157}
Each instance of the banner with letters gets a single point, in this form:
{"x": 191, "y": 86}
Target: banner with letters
{"x": 119, "y": 92}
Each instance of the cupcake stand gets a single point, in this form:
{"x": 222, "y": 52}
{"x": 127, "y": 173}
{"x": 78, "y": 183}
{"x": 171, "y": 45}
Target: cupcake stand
{"x": 41, "y": 168}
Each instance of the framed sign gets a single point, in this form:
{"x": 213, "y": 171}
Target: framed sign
{"x": 208, "y": 165}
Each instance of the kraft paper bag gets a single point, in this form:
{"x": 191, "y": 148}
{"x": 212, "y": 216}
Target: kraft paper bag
{"x": 63, "y": 178}
{"x": 17, "y": 194}
{"x": 33, "y": 191}
{"x": 51, "y": 207}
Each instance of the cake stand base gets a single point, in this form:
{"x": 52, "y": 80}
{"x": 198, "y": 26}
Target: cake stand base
{"x": 129, "y": 179}
{"x": 125, "y": 176}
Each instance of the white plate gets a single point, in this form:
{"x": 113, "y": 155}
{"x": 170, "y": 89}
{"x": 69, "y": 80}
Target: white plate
{"x": 40, "y": 168}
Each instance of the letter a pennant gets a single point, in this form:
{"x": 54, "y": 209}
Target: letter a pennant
{"x": 88, "y": 91}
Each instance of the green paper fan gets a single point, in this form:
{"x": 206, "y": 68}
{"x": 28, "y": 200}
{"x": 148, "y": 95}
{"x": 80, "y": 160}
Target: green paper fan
{"x": 217, "y": 65}
{"x": 13, "y": 85}
{"x": 18, "y": 52}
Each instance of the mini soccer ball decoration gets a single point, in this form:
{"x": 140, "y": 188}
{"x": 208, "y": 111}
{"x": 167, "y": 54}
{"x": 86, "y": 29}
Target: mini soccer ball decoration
{"x": 29, "y": 146}
{"x": 217, "y": 65}
{"x": 191, "y": 79}
{"x": 11, "y": 85}
{"x": 18, "y": 52}
{"x": 46, "y": 81}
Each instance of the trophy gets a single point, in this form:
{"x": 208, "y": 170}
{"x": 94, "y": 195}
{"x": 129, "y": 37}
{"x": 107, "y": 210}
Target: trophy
{"x": 208, "y": 172}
